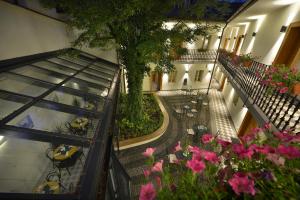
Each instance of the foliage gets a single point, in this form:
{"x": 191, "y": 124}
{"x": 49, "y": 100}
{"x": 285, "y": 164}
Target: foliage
{"x": 247, "y": 57}
{"x": 266, "y": 165}
{"x": 138, "y": 31}
{"x": 280, "y": 77}
{"x": 151, "y": 121}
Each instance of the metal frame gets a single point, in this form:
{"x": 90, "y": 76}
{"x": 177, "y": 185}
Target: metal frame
{"x": 90, "y": 182}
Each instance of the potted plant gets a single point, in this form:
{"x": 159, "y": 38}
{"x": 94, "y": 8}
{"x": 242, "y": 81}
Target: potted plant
{"x": 265, "y": 165}
{"x": 247, "y": 59}
{"x": 283, "y": 78}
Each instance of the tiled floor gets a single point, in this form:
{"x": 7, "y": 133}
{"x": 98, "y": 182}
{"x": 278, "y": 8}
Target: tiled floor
{"x": 134, "y": 162}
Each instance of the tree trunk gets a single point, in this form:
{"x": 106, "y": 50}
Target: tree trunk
{"x": 135, "y": 76}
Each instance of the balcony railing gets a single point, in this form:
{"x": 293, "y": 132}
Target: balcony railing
{"x": 194, "y": 55}
{"x": 282, "y": 110}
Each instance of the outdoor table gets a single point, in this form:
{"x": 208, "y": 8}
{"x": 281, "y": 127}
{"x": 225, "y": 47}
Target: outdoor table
{"x": 89, "y": 106}
{"x": 190, "y": 131}
{"x": 199, "y": 129}
{"x": 186, "y": 107}
{"x": 64, "y": 152}
{"x": 190, "y": 115}
{"x": 194, "y": 110}
{"x": 204, "y": 103}
{"x": 80, "y": 123}
{"x": 48, "y": 187}
{"x": 194, "y": 102}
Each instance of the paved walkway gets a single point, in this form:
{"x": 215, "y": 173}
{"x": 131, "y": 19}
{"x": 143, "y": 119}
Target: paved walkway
{"x": 216, "y": 117}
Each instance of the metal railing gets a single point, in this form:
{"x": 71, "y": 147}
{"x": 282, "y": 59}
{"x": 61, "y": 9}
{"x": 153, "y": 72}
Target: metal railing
{"x": 281, "y": 109}
{"x": 198, "y": 55}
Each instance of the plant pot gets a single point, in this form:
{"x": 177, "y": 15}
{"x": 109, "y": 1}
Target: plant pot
{"x": 247, "y": 63}
{"x": 296, "y": 89}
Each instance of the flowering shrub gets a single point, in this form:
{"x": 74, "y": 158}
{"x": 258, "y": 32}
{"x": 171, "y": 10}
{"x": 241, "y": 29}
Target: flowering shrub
{"x": 265, "y": 165}
{"x": 281, "y": 78}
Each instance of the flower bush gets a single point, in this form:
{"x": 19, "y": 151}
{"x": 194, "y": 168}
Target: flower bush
{"x": 281, "y": 78}
{"x": 264, "y": 165}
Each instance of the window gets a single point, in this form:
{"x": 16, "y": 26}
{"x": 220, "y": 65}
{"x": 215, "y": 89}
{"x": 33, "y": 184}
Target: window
{"x": 172, "y": 77}
{"x": 199, "y": 75}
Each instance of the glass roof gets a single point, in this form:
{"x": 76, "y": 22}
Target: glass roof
{"x": 51, "y": 110}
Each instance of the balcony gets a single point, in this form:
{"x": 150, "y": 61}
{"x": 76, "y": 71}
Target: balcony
{"x": 282, "y": 110}
{"x": 198, "y": 56}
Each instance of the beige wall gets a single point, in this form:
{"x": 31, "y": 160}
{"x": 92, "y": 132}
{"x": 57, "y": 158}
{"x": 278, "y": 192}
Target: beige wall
{"x": 24, "y": 32}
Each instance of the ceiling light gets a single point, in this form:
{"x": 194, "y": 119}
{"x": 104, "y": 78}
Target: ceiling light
{"x": 253, "y": 34}
{"x": 256, "y": 17}
{"x": 284, "y": 2}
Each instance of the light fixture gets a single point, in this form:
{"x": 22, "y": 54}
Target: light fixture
{"x": 253, "y": 34}
{"x": 242, "y": 36}
{"x": 219, "y": 37}
{"x": 256, "y": 17}
{"x": 186, "y": 72}
{"x": 234, "y": 38}
{"x": 283, "y": 29}
{"x": 284, "y": 2}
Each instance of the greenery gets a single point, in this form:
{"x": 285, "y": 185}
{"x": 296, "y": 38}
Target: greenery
{"x": 137, "y": 30}
{"x": 151, "y": 121}
{"x": 266, "y": 165}
{"x": 247, "y": 57}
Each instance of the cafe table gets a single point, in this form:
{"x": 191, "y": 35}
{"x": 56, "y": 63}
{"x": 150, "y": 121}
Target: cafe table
{"x": 63, "y": 152}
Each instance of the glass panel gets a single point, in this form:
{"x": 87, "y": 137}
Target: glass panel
{"x": 14, "y": 83}
{"x": 55, "y": 67}
{"x": 99, "y": 74}
{"x": 93, "y": 79}
{"x": 26, "y": 166}
{"x": 66, "y": 63}
{"x": 9, "y": 103}
{"x": 102, "y": 70}
{"x": 75, "y": 60}
{"x": 44, "y": 75}
{"x": 86, "y": 102}
{"x": 45, "y": 119}
{"x": 105, "y": 66}
{"x": 78, "y": 85}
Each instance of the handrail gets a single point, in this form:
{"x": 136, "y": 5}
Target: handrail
{"x": 282, "y": 110}
{"x": 198, "y": 55}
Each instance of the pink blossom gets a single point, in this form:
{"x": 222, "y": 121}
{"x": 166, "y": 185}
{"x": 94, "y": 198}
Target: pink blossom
{"x": 262, "y": 149}
{"x": 283, "y": 90}
{"x": 147, "y": 192}
{"x": 241, "y": 151}
{"x": 178, "y": 147}
{"x": 195, "y": 165}
{"x": 289, "y": 151}
{"x": 210, "y": 156}
{"x": 223, "y": 143}
{"x": 267, "y": 126}
{"x": 149, "y": 152}
{"x": 193, "y": 149}
{"x": 276, "y": 159}
{"x": 241, "y": 183}
{"x": 283, "y": 136}
{"x": 158, "y": 166}
{"x": 146, "y": 173}
{"x": 207, "y": 138}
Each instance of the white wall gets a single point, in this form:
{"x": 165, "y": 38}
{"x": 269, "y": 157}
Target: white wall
{"x": 24, "y": 32}
{"x": 237, "y": 111}
{"x": 268, "y": 39}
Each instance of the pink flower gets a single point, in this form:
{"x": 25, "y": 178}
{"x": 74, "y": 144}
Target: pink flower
{"x": 195, "y": 165}
{"x": 241, "y": 151}
{"x": 241, "y": 183}
{"x": 158, "y": 166}
{"x": 289, "y": 151}
{"x": 147, "y": 192}
{"x": 149, "y": 152}
{"x": 276, "y": 159}
{"x": 280, "y": 84}
{"x": 178, "y": 147}
{"x": 207, "y": 138}
{"x": 267, "y": 126}
{"x": 223, "y": 143}
{"x": 262, "y": 149}
{"x": 283, "y": 136}
{"x": 146, "y": 173}
{"x": 193, "y": 149}
{"x": 210, "y": 156}
{"x": 283, "y": 90}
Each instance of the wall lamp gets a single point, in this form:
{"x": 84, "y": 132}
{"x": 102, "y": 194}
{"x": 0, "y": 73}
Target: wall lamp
{"x": 186, "y": 72}
{"x": 219, "y": 37}
{"x": 283, "y": 29}
{"x": 253, "y": 34}
{"x": 242, "y": 36}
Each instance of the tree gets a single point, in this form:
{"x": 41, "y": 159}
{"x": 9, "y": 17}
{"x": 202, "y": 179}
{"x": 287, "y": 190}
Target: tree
{"x": 136, "y": 29}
